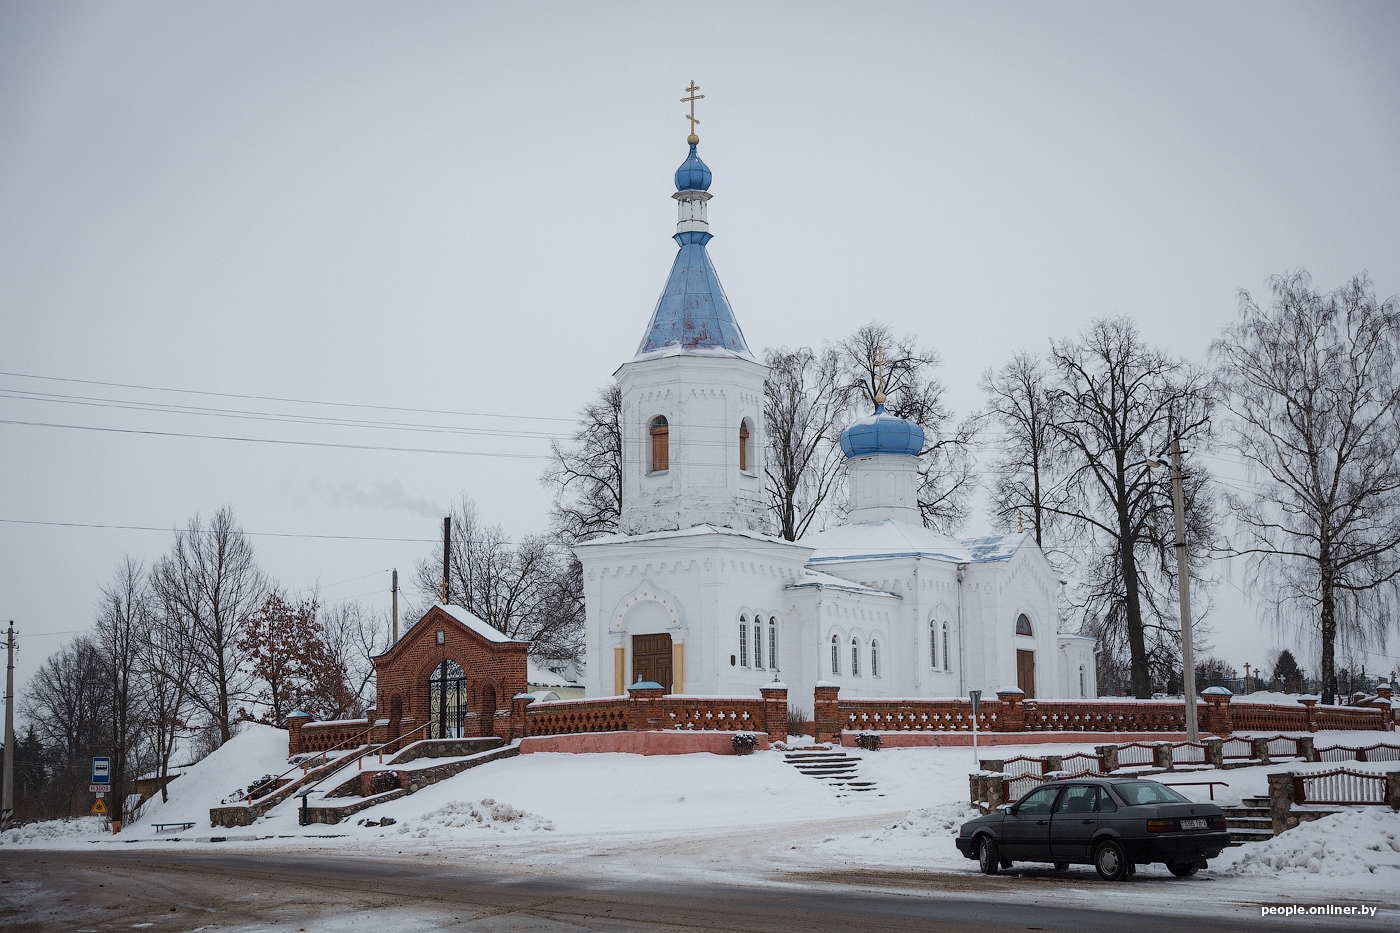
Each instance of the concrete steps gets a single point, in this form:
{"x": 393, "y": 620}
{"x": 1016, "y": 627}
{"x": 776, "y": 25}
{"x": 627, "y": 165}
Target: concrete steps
{"x": 1253, "y": 821}
{"x": 833, "y": 766}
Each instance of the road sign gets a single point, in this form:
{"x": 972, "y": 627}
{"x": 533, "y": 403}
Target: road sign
{"x": 976, "y": 697}
{"x": 99, "y": 808}
{"x": 102, "y": 771}
{"x": 99, "y": 789}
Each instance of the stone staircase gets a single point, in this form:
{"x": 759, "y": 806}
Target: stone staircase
{"x": 1252, "y": 821}
{"x": 831, "y": 765}
{"x": 409, "y": 771}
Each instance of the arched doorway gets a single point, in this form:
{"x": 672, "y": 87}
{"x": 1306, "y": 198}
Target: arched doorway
{"x": 447, "y": 701}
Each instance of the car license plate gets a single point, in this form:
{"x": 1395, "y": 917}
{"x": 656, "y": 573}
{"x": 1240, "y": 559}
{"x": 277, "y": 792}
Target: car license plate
{"x": 1193, "y": 824}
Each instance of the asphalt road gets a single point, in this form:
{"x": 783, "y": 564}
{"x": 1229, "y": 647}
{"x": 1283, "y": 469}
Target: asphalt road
{"x": 181, "y": 891}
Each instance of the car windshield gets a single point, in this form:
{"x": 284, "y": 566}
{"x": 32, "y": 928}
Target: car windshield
{"x": 1147, "y": 792}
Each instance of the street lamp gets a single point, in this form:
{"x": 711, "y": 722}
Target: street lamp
{"x": 1188, "y": 661}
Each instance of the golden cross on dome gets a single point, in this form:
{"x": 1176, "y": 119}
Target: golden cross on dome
{"x": 881, "y": 380}
{"x": 692, "y": 138}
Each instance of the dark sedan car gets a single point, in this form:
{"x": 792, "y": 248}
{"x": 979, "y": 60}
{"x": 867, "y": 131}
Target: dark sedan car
{"x": 1110, "y": 823}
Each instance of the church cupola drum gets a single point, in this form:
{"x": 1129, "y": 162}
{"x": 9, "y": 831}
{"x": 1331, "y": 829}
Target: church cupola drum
{"x": 692, "y": 397}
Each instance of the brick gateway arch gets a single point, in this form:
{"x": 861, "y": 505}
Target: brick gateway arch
{"x": 450, "y": 672}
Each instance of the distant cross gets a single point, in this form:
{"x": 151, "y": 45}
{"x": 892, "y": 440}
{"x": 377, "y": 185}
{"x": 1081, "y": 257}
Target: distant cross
{"x": 881, "y": 382}
{"x": 691, "y": 100}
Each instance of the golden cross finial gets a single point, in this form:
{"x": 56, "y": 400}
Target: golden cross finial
{"x": 881, "y": 381}
{"x": 692, "y": 138}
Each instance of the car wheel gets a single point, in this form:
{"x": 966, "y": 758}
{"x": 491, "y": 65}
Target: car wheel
{"x": 1110, "y": 861}
{"x": 987, "y": 855}
{"x": 1062, "y": 866}
{"x": 1182, "y": 869}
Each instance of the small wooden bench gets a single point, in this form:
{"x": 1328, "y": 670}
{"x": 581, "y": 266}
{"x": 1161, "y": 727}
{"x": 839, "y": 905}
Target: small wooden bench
{"x": 161, "y": 827}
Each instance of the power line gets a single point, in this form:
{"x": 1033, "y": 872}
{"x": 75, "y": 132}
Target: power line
{"x": 273, "y": 398}
{"x": 283, "y": 442}
{"x": 254, "y": 534}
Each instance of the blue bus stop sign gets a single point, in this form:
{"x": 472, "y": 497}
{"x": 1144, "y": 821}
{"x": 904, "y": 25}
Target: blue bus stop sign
{"x": 102, "y": 771}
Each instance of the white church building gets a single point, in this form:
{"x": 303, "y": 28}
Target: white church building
{"x": 694, "y": 594}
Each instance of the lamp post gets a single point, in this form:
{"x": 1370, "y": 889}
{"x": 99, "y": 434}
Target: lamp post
{"x": 1188, "y": 660}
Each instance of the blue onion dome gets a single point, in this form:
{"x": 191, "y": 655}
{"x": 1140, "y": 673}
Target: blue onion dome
{"x": 882, "y": 433}
{"x": 693, "y": 175}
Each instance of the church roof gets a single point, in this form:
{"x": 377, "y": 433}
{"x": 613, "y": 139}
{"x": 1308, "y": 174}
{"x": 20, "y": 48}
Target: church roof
{"x": 891, "y": 539}
{"x": 882, "y": 433}
{"x": 693, "y": 313}
{"x": 817, "y": 579}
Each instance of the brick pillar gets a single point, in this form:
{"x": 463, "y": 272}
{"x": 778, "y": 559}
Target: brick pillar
{"x": 1261, "y": 751}
{"x": 826, "y": 712}
{"x": 1280, "y": 800}
{"x": 1307, "y": 749}
{"x": 519, "y": 727}
{"x": 775, "y": 707}
{"x": 1215, "y": 753}
{"x": 294, "y": 723}
{"x": 645, "y": 713}
{"x": 1012, "y": 717}
{"x": 1218, "y": 719}
{"x": 1310, "y": 704}
{"x": 1387, "y": 712}
{"x": 1162, "y": 755}
{"x": 1108, "y": 754}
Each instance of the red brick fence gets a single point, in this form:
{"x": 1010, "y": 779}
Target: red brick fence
{"x": 1010, "y": 711}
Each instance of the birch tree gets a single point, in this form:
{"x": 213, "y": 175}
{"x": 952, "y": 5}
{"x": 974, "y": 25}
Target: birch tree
{"x": 804, "y": 404}
{"x": 1314, "y": 387}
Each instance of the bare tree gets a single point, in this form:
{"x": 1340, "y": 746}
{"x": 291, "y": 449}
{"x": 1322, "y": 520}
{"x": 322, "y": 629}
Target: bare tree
{"x": 586, "y": 476}
{"x": 804, "y": 402}
{"x": 354, "y": 636}
{"x": 1120, "y": 402}
{"x": 124, "y": 616}
{"x": 68, "y": 703}
{"x": 1027, "y": 468}
{"x": 166, "y": 669}
{"x": 512, "y": 587}
{"x": 873, "y": 357}
{"x": 1314, "y": 386}
{"x": 210, "y": 580}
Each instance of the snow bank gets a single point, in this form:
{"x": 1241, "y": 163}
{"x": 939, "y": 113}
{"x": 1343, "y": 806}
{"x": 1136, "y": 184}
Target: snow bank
{"x": 51, "y": 832}
{"x": 1345, "y": 845}
{"x": 254, "y": 752}
{"x": 485, "y": 815}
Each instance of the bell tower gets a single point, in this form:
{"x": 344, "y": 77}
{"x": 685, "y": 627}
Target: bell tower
{"x": 692, "y": 397}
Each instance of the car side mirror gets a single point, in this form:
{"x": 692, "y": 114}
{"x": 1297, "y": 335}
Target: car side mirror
{"x": 1009, "y": 809}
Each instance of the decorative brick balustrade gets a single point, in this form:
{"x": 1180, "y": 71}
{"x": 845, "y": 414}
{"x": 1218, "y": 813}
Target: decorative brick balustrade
{"x": 652, "y": 709}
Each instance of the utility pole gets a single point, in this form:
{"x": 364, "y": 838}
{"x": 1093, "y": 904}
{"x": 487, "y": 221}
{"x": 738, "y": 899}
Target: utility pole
{"x": 446, "y": 555}
{"x": 1188, "y": 660}
{"x": 396, "y": 608}
{"x": 7, "y": 807}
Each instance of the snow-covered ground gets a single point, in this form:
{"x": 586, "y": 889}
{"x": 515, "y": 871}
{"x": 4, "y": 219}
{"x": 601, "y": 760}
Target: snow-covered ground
{"x": 712, "y": 817}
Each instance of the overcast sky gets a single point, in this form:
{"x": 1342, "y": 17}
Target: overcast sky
{"x": 467, "y": 208}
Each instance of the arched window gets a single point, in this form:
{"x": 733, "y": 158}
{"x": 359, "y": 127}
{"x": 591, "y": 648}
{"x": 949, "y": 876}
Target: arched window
{"x": 874, "y": 658}
{"x": 758, "y": 642}
{"x": 745, "y": 449}
{"x": 1081, "y": 680}
{"x": 773, "y": 642}
{"x": 660, "y": 444}
{"x": 855, "y": 658}
{"x": 946, "y": 665}
{"x": 933, "y": 645}
{"x": 743, "y": 641}
{"x": 447, "y": 701}
{"x": 1023, "y": 625}
{"x": 835, "y": 655}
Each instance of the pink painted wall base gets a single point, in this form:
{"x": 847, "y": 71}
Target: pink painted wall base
{"x": 988, "y": 739}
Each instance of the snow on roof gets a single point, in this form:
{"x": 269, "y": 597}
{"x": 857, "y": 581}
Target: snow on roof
{"x": 544, "y": 677}
{"x": 890, "y": 539}
{"x": 486, "y": 631}
{"x": 815, "y": 578}
{"x": 693, "y": 532}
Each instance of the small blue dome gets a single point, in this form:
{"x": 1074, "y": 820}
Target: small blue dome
{"x": 693, "y": 175}
{"x": 882, "y": 433}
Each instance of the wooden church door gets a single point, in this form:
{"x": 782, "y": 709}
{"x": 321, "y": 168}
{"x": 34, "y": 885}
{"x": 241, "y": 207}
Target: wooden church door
{"x": 1025, "y": 672}
{"x": 651, "y": 659}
